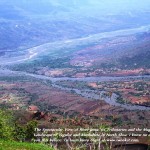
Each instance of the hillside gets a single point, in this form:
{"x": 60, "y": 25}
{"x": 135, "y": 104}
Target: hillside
{"x": 25, "y": 25}
{"x": 111, "y": 56}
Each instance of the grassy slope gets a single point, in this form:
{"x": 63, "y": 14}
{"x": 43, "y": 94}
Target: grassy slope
{"x": 12, "y": 145}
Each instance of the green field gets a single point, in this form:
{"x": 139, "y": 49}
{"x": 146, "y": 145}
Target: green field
{"x": 12, "y": 145}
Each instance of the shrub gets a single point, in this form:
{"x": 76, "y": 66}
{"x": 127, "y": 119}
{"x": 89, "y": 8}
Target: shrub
{"x": 30, "y": 129}
{"x": 6, "y": 125}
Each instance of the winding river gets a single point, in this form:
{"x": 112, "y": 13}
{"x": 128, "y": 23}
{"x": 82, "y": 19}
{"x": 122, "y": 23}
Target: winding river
{"x": 91, "y": 94}
{"x": 39, "y": 50}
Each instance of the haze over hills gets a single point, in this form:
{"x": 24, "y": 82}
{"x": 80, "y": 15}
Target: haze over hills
{"x": 25, "y": 24}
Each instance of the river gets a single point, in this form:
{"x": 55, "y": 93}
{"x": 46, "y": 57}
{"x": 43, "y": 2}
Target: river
{"x": 43, "y": 49}
{"x": 91, "y": 94}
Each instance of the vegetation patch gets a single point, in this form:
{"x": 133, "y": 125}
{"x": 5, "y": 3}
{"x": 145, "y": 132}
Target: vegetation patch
{"x": 12, "y": 145}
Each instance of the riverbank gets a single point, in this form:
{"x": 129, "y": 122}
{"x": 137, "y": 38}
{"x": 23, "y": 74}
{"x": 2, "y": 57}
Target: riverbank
{"x": 91, "y": 94}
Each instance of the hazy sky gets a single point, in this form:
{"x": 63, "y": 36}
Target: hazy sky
{"x": 120, "y": 5}
{"x": 137, "y": 4}
{"x": 101, "y": 6}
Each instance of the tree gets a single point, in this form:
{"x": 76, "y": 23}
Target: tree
{"x": 19, "y": 133}
{"x": 6, "y": 125}
{"x": 30, "y": 129}
{"x": 25, "y": 132}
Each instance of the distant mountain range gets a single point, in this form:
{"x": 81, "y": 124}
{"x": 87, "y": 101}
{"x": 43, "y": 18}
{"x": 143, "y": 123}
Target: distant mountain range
{"x": 25, "y": 24}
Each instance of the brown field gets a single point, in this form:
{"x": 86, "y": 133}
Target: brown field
{"x": 55, "y": 100}
{"x": 46, "y": 94}
{"x": 59, "y": 108}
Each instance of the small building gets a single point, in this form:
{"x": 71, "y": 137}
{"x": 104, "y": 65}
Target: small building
{"x": 33, "y": 108}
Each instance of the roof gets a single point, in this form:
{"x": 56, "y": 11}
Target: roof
{"x": 33, "y": 108}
